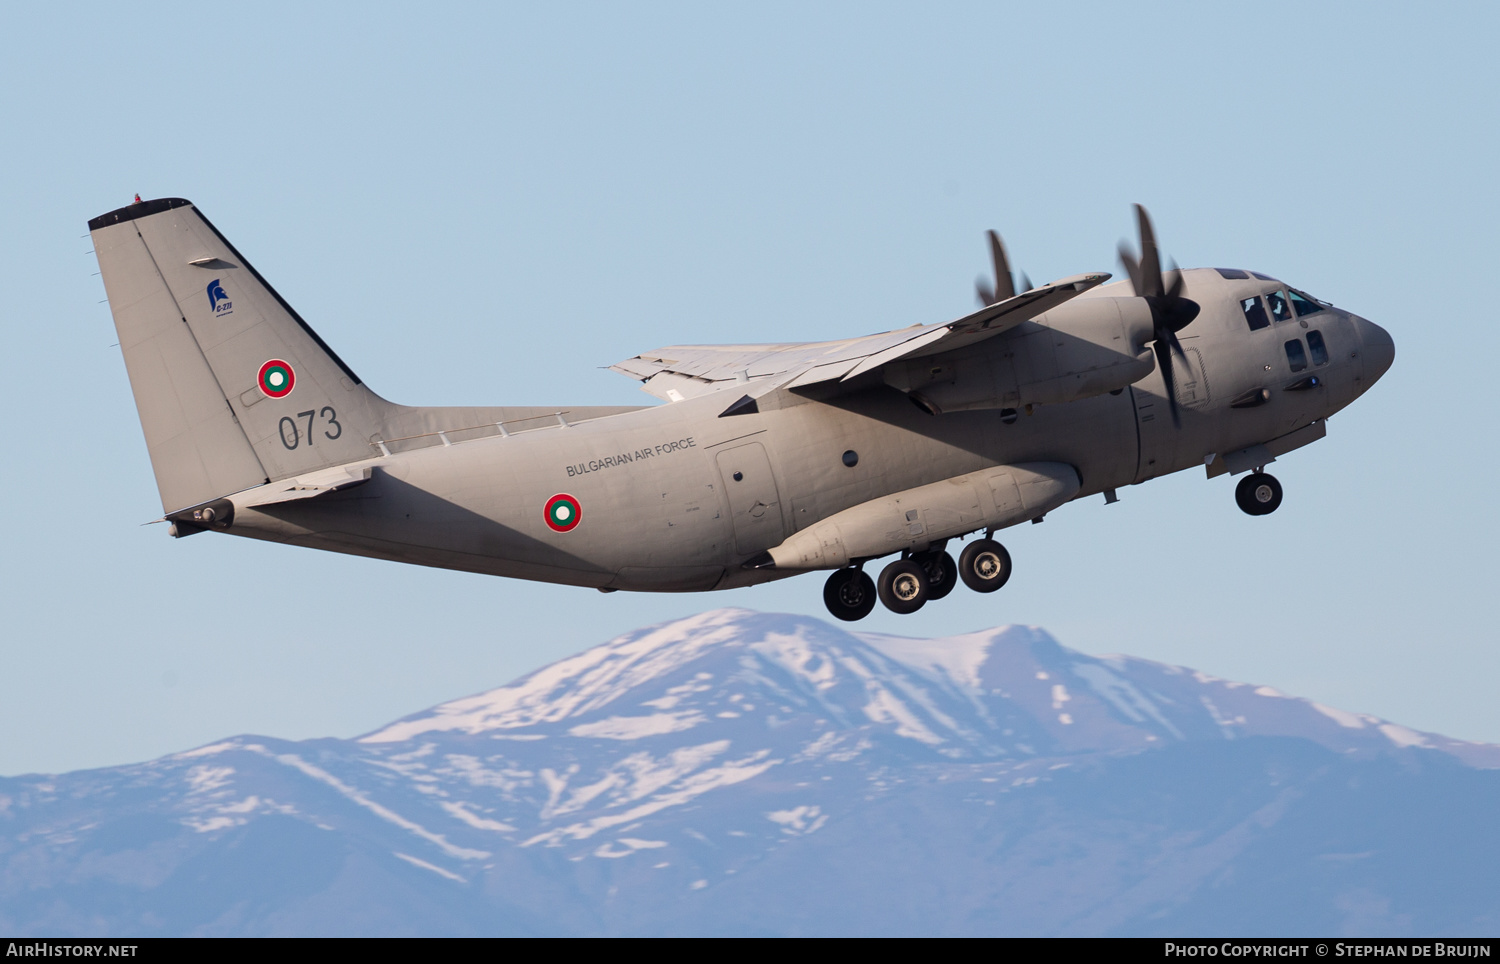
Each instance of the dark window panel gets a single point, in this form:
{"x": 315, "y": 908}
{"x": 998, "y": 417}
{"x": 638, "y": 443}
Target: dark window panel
{"x": 1318, "y": 349}
{"x": 1304, "y": 304}
{"x": 1255, "y": 313}
{"x": 1280, "y": 309}
{"x": 1296, "y": 355}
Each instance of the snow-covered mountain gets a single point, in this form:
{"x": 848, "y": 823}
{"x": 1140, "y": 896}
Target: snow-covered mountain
{"x": 739, "y": 772}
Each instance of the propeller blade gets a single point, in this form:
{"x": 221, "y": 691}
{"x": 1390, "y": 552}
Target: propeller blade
{"x": 1170, "y": 311}
{"x": 1133, "y": 269}
{"x": 1026, "y": 284}
{"x": 1171, "y": 339}
{"x": 1004, "y": 286}
{"x": 1150, "y": 258}
{"x": 985, "y": 292}
{"x": 1164, "y": 361}
{"x": 1173, "y": 282}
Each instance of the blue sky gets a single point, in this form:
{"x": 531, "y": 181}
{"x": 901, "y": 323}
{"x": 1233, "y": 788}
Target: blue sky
{"x": 485, "y": 204}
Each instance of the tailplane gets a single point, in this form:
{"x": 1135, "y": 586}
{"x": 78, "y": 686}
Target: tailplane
{"x": 232, "y": 386}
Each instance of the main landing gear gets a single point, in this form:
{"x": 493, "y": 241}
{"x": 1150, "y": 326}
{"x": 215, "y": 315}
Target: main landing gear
{"x": 984, "y": 565}
{"x": 849, "y": 594}
{"x": 904, "y": 587}
{"x": 1258, "y": 493}
{"x": 909, "y": 583}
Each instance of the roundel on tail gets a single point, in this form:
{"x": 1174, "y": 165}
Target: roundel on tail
{"x": 276, "y": 379}
{"x": 562, "y": 513}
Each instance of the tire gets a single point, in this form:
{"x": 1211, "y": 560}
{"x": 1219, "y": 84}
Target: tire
{"x": 1258, "y": 494}
{"x": 903, "y": 586}
{"x": 984, "y": 565}
{"x": 942, "y": 572}
{"x": 849, "y": 594}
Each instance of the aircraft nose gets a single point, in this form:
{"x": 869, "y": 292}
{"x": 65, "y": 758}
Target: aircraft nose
{"x": 1380, "y": 349}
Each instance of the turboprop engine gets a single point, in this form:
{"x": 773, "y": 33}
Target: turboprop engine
{"x": 1084, "y": 348}
{"x": 914, "y": 519}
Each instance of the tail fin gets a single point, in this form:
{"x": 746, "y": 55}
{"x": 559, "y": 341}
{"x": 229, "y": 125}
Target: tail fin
{"x": 232, "y": 387}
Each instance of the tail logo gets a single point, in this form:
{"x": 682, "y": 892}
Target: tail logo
{"x": 276, "y": 379}
{"x": 218, "y": 301}
{"x": 562, "y": 513}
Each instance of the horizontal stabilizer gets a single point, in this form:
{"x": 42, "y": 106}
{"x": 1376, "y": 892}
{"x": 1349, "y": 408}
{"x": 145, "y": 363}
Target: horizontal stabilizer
{"x": 303, "y": 487}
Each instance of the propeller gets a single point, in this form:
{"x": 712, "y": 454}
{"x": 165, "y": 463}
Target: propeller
{"x": 1004, "y": 287}
{"x": 1170, "y": 311}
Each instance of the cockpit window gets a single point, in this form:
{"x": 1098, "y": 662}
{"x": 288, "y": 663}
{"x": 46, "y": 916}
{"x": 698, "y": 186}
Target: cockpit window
{"x": 1280, "y": 310}
{"x": 1263, "y": 277}
{"x": 1304, "y": 304}
{"x": 1319, "y": 350}
{"x": 1231, "y": 274}
{"x": 1296, "y": 356}
{"x": 1255, "y": 313}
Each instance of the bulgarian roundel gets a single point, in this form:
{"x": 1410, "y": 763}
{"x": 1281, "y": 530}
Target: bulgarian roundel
{"x": 276, "y": 379}
{"x": 562, "y": 513}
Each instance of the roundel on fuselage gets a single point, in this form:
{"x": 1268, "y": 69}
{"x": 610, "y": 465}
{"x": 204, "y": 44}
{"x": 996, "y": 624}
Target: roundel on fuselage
{"x": 562, "y": 513}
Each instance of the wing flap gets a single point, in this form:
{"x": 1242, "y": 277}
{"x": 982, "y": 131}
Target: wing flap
{"x": 821, "y": 373}
{"x": 638, "y": 367}
{"x": 669, "y": 386}
{"x": 872, "y": 362}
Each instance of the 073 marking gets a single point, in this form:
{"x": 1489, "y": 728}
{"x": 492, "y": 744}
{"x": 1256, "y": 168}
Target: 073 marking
{"x": 291, "y": 435}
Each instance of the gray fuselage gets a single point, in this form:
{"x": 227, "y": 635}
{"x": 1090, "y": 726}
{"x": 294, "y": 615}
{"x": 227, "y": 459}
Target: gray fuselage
{"x": 677, "y": 497}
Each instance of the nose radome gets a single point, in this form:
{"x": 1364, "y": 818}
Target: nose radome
{"x": 1380, "y": 349}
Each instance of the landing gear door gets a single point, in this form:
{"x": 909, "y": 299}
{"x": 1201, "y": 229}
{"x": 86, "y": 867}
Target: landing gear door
{"x": 1163, "y": 447}
{"x": 754, "y": 504}
{"x": 1192, "y": 385}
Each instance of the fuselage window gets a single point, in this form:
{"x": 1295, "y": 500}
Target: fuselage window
{"x": 1304, "y": 305}
{"x": 1280, "y": 310}
{"x": 1318, "y": 349}
{"x": 1255, "y": 313}
{"x": 1296, "y": 355}
{"x": 1231, "y": 273}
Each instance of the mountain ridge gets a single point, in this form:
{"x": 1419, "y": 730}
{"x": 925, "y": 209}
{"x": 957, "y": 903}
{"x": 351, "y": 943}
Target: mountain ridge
{"x": 733, "y": 771}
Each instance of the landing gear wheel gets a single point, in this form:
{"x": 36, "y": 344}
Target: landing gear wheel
{"x": 849, "y": 594}
{"x": 942, "y": 572}
{"x": 1258, "y": 494}
{"x": 903, "y": 586}
{"x": 984, "y": 565}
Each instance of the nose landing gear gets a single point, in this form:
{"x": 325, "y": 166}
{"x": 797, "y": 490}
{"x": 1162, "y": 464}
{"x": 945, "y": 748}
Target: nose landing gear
{"x": 1258, "y": 494}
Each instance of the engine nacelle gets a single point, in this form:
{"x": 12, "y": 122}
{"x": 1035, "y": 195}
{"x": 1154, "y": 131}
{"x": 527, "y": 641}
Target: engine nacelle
{"x": 914, "y": 519}
{"x": 1081, "y": 349}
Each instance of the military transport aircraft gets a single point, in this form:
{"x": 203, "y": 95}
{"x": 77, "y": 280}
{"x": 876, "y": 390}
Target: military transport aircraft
{"x": 766, "y": 460}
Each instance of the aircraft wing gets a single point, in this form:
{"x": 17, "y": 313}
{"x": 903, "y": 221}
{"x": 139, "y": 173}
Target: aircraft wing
{"x": 682, "y": 371}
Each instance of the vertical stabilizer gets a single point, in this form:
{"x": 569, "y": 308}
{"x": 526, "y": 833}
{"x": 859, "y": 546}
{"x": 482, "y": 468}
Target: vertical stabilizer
{"x": 232, "y": 386}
